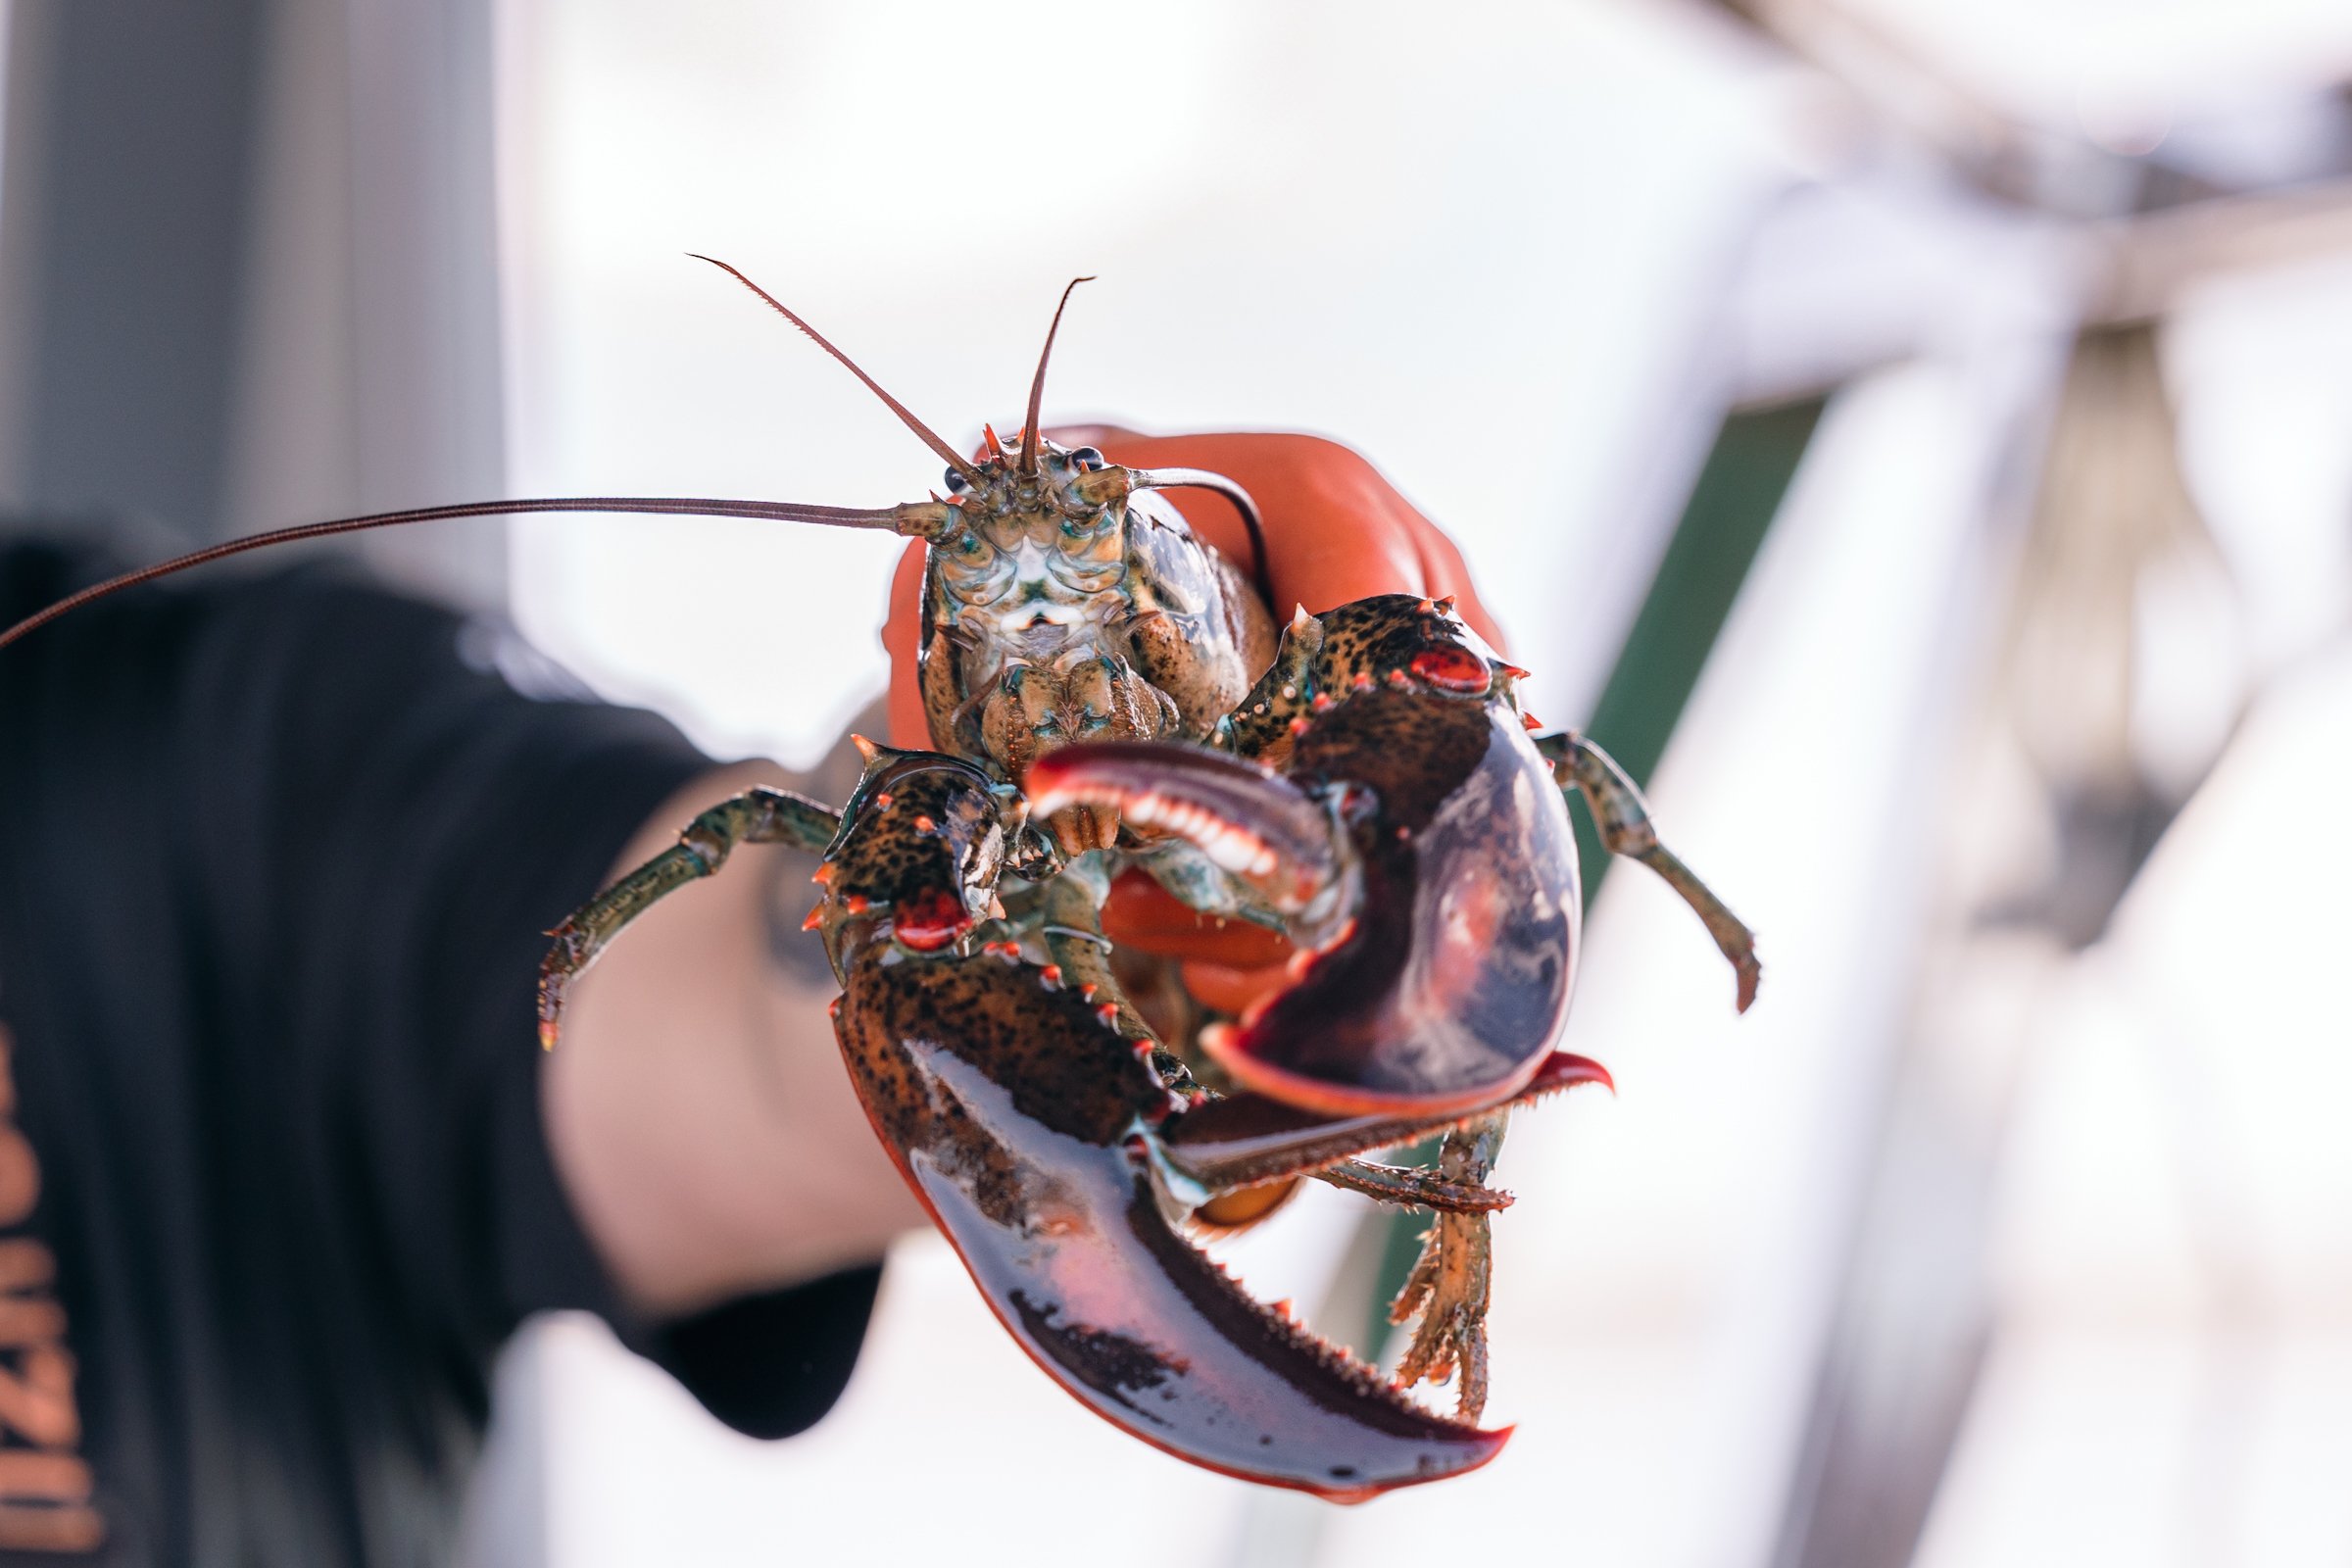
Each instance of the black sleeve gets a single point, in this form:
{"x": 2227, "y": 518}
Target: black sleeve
{"x": 275, "y": 858}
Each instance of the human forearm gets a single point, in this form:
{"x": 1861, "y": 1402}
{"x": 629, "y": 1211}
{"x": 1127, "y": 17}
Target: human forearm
{"x": 698, "y": 1109}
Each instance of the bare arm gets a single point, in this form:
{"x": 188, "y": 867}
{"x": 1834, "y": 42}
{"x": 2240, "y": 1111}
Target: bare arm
{"x": 698, "y": 1109}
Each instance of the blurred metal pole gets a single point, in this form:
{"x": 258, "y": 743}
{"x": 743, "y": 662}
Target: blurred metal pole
{"x": 248, "y": 271}
{"x": 1915, "y": 1317}
{"x": 373, "y": 363}
{"x": 369, "y": 370}
{"x": 122, "y": 241}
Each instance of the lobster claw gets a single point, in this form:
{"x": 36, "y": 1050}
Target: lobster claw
{"x": 1028, "y": 1128}
{"x": 1418, "y": 852}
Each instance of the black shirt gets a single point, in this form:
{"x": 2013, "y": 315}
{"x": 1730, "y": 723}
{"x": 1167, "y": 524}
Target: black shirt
{"x": 275, "y": 858}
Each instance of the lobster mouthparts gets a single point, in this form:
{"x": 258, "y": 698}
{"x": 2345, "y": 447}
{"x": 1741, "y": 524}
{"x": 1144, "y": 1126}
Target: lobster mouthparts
{"x": 1419, "y": 852}
{"x": 1027, "y": 1127}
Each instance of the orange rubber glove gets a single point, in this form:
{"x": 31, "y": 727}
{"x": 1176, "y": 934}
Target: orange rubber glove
{"x": 1335, "y": 530}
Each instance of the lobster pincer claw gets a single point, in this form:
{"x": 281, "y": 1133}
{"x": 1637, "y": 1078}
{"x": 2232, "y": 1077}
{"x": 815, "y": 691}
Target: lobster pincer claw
{"x": 1418, "y": 851}
{"x": 1028, "y": 1127}
{"x": 921, "y": 842}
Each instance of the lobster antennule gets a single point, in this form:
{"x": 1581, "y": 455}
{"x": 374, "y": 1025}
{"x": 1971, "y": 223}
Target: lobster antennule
{"x": 954, "y": 459}
{"x": 1037, "y": 384}
{"x": 921, "y": 520}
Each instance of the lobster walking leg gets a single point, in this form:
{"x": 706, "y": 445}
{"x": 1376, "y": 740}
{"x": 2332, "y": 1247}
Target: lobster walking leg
{"x": 1071, "y": 908}
{"x": 1623, "y": 817}
{"x": 759, "y": 815}
{"x": 1415, "y": 1188}
{"x": 1451, "y": 1281}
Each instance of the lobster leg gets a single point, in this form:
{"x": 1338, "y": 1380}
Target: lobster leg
{"x": 1413, "y": 1188}
{"x": 1451, "y": 1283}
{"x": 1071, "y": 908}
{"x": 1623, "y": 817}
{"x": 760, "y": 816}
{"x": 1260, "y": 725}
{"x": 1405, "y": 1185}
{"x": 1247, "y": 1138}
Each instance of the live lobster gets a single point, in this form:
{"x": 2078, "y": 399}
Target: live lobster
{"x": 1109, "y": 696}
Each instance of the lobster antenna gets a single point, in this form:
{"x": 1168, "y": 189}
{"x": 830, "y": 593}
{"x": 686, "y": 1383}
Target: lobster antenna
{"x": 1202, "y": 479}
{"x": 1036, "y": 386}
{"x": 955, "y": 460}
{"x": 916, "y": 518}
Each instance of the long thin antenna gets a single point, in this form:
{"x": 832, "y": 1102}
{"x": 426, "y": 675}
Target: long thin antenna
{"x": 1202, "y": 479}
{"x": 955, "y": 460}
{"x": 1036, "y": 386}
{"x": 918, "y": 519}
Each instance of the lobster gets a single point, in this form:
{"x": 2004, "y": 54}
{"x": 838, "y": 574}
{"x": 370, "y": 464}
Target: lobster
{"x": 1108, "y": 699}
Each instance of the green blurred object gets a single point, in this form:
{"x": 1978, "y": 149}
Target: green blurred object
{"x": 1737, "y": 495}
{"x": 1723, "y": 525}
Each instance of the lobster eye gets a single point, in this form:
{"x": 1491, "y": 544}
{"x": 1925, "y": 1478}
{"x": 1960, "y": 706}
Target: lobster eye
{"x": 957, "y": 484}
{"x": 1086, "y": 460}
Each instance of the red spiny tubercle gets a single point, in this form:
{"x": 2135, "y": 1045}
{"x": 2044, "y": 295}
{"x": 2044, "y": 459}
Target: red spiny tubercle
{"x": 931, "y": 920}
{"x": 1453, "y": 669}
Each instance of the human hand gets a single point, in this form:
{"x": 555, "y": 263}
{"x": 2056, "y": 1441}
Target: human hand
{"x": 1334, "y": 531}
